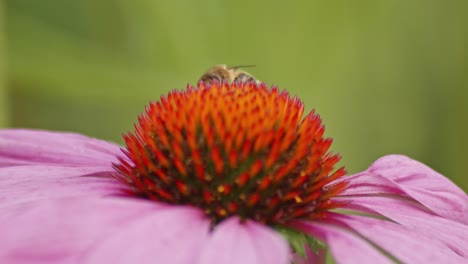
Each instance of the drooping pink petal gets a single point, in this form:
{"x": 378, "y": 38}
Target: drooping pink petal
{"x": 248, "y": 243}
{"x": 452, "y": 234}
{"x": 396, "y": 174}
{"x": 33, "y": 182}
{"x": 176, "y": 235}
{"x": 21, "y": 147}
{"x": 63, "y": 230}
{"x": 345, "y": 246}
{"x": 405, "y": 244}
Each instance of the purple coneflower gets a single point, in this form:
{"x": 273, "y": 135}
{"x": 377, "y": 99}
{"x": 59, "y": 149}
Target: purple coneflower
{"x": 220, "y": 174}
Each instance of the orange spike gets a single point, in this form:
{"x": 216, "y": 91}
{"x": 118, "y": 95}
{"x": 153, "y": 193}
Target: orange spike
{"x": 233, "y": 207}
{"x": 180, "y": 167}
{"x": 301, "y": 179}
{"x": 272, "y": 155}
{"x": 224, "y": 189}
{"x": 253, "y": 199}
{"x": 191, "y": 140}
{"x": 164, "y": 194}
{"x": 200, "y": 172}
{"x": 183, "y": 188}
{"x": 177, "y": 149}
{"x": 161, "y": 158}
{"x": 291, "y": 195}
{"x": 264, "y": 183}
{"x": 233, "y": 159}
{"x": 255, "y": 168}
{"x": 245, "y": 151}
{"x": 207, "y": 196}
{"x": 217, "y": 160}
{"x": 242, "y": 179}
{"x": 162, "y": 175}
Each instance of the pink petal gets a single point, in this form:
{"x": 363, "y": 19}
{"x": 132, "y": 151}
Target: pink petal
{"x": 29, "y": 183}
{"x": 405, "y": 244}
{"x": 65, "y": 230}
{"x": 19, "y": 146}
{"x": 398, "y": 174}
{"x": 367, "y": 184}
{"x": 248, "y": 243}
{"x": 175, "y": 235}
{"x": 452, "y": 234}
{"x": 346, "y": 247}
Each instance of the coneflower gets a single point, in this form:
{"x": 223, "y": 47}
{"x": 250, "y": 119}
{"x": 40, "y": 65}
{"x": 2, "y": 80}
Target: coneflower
{"x": 220, "y": 173}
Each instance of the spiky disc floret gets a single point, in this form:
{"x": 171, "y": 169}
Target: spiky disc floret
{"x": 233, "y": 149}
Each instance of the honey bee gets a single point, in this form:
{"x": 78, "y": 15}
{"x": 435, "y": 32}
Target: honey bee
{"x": 223, "y": 73}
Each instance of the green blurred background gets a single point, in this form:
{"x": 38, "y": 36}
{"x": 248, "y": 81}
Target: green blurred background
{"x": 386, "y": 76}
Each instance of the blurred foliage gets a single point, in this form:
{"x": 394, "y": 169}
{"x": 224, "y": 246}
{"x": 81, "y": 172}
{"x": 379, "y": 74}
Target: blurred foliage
{"x": 386, "y": 76}
{"x": 3, "y": 87}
